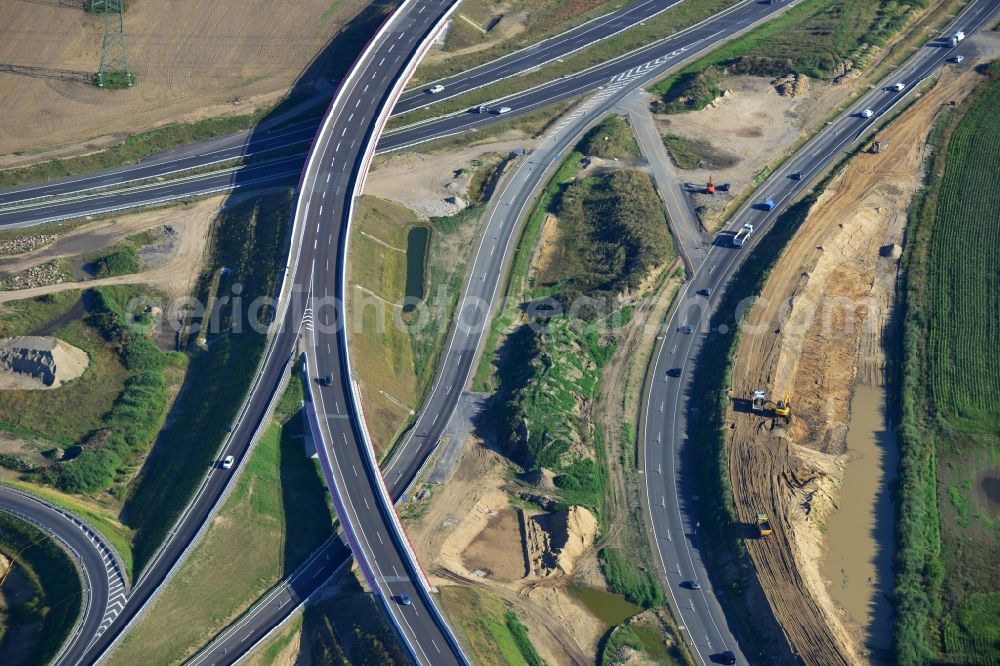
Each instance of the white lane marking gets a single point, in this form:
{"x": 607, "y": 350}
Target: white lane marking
{"x": 355, "y": 469}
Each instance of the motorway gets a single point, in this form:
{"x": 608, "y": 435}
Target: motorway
{"x": 532, "y": 57}
{"x": 241, "y": 435}
{"x": 334, "y": 176}
{"x": 668, "y": 494}
{"x": 672, "y": 53}
{"x": 103, "y": 580}
{"x": 19, "y": 208}
{"x": 143, "y": 190}
{"x": 279, "y": 134}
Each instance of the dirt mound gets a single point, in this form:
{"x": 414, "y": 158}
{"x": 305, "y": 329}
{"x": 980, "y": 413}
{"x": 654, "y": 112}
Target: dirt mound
{"x": 29, "y": 362}
{"x": 818, "y": 330}
{"x": 793, "y": 85}
{"x": 555, "y": 541}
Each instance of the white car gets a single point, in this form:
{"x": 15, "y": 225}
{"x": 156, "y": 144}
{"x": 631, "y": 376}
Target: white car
{"x": 436, "y": 89}
{"x": 867, "y": 113}
{"x": 502, "y": 110}
{"x": 957, "y": 59}
{"x": 897, "y": 87}
{"x": 227, "y": 462}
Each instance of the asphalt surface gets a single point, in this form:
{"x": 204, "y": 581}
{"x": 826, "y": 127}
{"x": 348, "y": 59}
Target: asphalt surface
{"x": 517, "y": 193}
{"x": 13, "y": 213}
{"x": 82, "y": 196}
{"x": 280, "y": 136}
{"x": 713, "y": 30}
{"x": 334, "y": 175}
{"x": 668, "y": 491}
{"x": 534, "y": 56}
{"x": 102, "y": 576}
{"x": 299, "y": 588}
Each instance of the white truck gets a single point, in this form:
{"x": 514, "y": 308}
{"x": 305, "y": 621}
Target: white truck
{"x": 742, "y": 235}
{"x": 956, "y": 38}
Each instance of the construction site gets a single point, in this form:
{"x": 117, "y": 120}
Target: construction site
{"x": 819, "y": 334}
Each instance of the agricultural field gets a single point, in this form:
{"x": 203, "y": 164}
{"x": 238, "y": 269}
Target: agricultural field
{"x": 199, "y": 59}
{"x": 948, "y": 588}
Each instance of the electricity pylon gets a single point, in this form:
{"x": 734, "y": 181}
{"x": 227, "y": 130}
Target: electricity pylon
{"x": 114, "y": 72}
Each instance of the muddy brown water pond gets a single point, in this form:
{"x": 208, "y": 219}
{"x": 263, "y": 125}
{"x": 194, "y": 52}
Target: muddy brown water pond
{"x": 612, "y": 609}
{"x": 860, "y": 535}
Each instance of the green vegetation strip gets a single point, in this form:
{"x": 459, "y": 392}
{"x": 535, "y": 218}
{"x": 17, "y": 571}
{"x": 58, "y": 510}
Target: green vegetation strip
{"x": 249, "y": 241}
{"x": 947, "y": 590}
{"x": 487, "y": 627}
{"x": 132, "y": 149}
{"x": 654, "y": 30}
{"x": 814, "y": 38}
{"x": 57, "y": 594}
{"x": 276, "y": 516}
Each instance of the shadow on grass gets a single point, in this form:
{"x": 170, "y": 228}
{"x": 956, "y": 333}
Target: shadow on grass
{"x": 251, "y": 239}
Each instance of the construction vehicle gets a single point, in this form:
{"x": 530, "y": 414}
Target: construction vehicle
{"x": 758, "y": 401}
{"x": 710, "y": 189}
{"x": 784, "y": 408}
{"x": 742, "y": 235}
{"x": 763, "y": 525}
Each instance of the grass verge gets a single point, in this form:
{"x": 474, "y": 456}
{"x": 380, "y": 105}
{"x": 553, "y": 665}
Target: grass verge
{"x": 57, "y": 593}
{"x": 275, "y": 517}
{"x": 816, "y": 38}
{"x": 249, "y": 240}
{"x": 132, "y": 149}
{"x": 653, "y": 30}
{"x": 487, "y": 627}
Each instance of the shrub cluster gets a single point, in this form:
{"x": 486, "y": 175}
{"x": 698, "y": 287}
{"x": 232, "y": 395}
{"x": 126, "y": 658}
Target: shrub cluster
{"x": 122, "y": 261}
{"x": 133, "y": 420}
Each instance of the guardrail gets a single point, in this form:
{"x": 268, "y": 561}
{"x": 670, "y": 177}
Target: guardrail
{"x": 353, "y": 396}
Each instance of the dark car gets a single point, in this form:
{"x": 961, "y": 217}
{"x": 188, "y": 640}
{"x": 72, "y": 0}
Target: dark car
{"x": 404, "y": 599}
{"x": 727, "y": 657}
{"x": 686, "y": 328}
{"x": 707, "y": 291}
{"x": 325, "y": 380}
{"x": 795, "y": 176}
{"x": 674, "y": 372}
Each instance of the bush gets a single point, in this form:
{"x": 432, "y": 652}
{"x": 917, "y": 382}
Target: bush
{"x": 692, "y": 91}
{"x": 141, "y": 355}
{"x": 610, "y": 139}
{"x": 122, "y": 261}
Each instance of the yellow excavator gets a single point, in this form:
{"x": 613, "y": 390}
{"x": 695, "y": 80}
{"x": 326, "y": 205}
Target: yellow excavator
{"x": 784, "y": 408}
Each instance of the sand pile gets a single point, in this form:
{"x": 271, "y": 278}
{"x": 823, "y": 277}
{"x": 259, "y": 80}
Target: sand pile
{"x": 555, "y": 540}
{"x": 31, "y": 362}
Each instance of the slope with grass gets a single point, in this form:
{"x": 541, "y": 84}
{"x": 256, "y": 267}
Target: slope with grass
{"x": 817, "y": 38}
{"x": 95, "y": 430}
{"x": 275, "y": 517}
{"x": 948, "y": 590}
{"x": 39, "y": 622}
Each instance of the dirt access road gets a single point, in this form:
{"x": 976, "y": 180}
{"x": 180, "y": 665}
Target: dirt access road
{"x": 174, "y": 272}
{"x": 818, "y": 327}
{"x": 193, "y": 59}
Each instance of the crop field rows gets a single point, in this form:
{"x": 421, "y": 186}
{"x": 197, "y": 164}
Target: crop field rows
{"x": 965, "y": 271}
